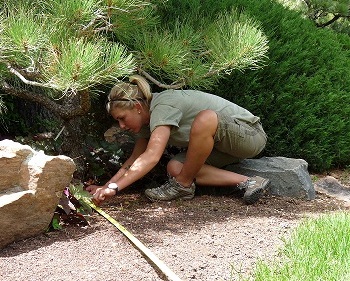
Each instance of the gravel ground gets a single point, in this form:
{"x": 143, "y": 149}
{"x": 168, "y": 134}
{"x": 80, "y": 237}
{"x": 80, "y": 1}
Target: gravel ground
{"x": 212, "y": 237}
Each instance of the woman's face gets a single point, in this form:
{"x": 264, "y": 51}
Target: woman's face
{"x": 129, "y": 119}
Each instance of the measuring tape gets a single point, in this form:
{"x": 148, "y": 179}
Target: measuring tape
{"x": 138, "y": 244}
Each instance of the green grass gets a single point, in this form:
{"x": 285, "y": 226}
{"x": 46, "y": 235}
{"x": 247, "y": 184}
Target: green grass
{"x": 318, "y": 250}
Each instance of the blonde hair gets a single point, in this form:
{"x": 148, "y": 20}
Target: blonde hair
{"x": 124, "y": 95}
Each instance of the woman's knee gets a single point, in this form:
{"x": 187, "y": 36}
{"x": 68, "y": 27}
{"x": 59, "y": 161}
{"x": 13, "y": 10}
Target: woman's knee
{"x": 174, "y": 167}
{"x": 205, "y": 122}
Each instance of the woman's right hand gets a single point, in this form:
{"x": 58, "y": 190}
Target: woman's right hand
{"x": 100, "y": 193}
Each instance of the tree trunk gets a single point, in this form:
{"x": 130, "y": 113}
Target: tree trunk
{"x": 70, "y": 111}
{"x": 73, "y": 144}
{"x": 74, "y": 134}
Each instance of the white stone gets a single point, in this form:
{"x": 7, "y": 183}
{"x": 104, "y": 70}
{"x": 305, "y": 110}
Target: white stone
{"x": 31, "y": 184}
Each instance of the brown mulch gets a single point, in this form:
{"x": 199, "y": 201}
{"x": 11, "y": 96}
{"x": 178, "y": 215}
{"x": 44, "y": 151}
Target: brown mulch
{"x": 212, "y": 237}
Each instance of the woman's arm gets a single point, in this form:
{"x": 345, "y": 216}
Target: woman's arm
{"x": 148, "y": 159}
{"x": 139, "y": 148}
{"x": 144, "y": 163}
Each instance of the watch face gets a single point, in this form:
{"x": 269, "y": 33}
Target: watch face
{"x": 113, "y": 185}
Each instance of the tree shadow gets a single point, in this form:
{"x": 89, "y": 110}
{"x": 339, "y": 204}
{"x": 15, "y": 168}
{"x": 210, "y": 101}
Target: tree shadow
{"x": 144, "y": 219}
{"x": 210, "y": 205}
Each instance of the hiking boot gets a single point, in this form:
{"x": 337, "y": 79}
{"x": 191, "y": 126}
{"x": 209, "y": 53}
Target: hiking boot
{"x": 170, "y": 190}
{"x": 254, "y": 188}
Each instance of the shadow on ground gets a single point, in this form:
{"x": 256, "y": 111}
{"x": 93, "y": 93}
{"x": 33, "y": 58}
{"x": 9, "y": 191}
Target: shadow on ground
{"x": 136, "y": 213}
{"x": 145, "y": 219}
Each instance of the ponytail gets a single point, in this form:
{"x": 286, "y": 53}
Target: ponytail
{"x": 124, "y": 95}
{"x": 143, "y": 85}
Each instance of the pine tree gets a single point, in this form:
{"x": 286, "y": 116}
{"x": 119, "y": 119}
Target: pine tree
{"x": 58, "y": 53}
{"x": 324, "y": 13}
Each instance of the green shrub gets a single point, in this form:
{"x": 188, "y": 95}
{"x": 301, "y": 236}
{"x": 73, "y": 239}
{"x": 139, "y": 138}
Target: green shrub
{"x": 303, "y": 93}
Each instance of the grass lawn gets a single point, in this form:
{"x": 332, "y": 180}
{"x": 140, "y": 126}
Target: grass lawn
{"x": 318, "y": 250}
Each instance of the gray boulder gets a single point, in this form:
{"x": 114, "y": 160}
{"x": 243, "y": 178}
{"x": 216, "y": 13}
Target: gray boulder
{"x": 288, "y": 177}
{"x": 31, "y": 184}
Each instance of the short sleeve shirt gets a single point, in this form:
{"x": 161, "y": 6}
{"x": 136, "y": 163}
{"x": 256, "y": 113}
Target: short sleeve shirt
{"x": 178, "y": 108}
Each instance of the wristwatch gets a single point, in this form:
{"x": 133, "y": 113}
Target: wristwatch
{"x": 114, "y": 186}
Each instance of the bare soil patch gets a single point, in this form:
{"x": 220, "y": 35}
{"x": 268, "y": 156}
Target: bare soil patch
{"x": 212, "y": 237}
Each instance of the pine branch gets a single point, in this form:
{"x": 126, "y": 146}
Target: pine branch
{"x": 63, "y": 111}
{"x": 26, "y": 81}
{"x": 159, "y": 84}
{"x": 108, "y": 26}
{"x": 93, "y": 22}
{"x": 332, "y": 20}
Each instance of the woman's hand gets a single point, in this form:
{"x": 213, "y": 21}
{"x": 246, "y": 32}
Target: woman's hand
{"x": 100, "y": 193}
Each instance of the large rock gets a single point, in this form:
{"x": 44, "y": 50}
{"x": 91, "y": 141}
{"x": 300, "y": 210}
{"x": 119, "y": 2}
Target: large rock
{"x": 289, "y": 177}
{"x": 31, "y": 184}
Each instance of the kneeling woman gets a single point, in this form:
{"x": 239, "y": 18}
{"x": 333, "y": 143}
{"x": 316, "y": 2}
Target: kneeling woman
{"x": 214, "y": 131}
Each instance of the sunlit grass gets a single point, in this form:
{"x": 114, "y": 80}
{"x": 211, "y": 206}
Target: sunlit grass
{"x": 319, "y": 249}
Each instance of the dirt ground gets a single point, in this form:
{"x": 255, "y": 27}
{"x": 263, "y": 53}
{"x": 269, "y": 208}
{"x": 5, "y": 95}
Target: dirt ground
{"x": 212, "y": 237}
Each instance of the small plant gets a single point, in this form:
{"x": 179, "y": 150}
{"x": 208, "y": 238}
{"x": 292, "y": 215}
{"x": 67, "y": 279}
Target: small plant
{"x": 72, "y": 209}
{"x": 77, "y": 192}
{"x": 314, "y": 178}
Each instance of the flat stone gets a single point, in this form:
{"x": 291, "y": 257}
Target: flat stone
{"x": 333, "y": 188}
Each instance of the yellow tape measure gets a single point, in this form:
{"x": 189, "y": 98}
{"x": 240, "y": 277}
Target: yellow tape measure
{"x": 138, "y": 244}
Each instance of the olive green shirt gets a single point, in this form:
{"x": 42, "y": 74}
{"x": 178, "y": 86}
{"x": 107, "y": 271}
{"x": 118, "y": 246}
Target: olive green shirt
{"x": 178, "y": 108}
